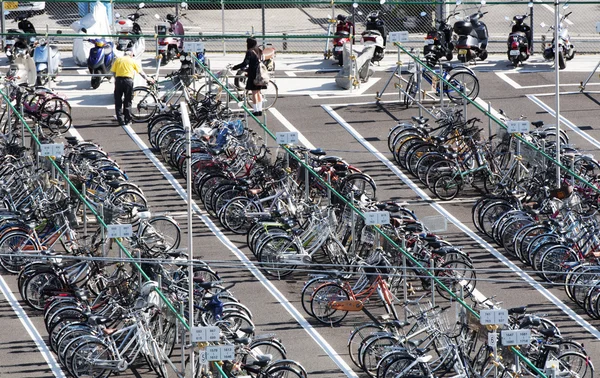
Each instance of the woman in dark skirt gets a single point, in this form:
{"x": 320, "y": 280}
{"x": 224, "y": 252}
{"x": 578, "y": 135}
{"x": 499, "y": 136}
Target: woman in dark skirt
{"x": 251, "y": 60}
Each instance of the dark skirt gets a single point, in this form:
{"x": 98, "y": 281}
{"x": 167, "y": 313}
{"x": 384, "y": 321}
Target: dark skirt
{"x": 250, "y": 82}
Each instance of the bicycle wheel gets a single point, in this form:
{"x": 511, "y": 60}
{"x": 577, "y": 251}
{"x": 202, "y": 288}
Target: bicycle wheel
{"x": 269, "y": 346}
{"x": 88, "y": 359}
{"x": 555, "y": 262}
{"x": 40, "y": 287}
{"x": 466, "y": 83}
{"x": 234, "y": 214}
{"x": 54, "y": 104}
{"x": 358, "y": 336}
{"x": 283, "y": 372}
{"x": 269, "y": 96}
{"x": 127, "y": 200}
{"x": 274, "y": 253}
{"x": 411, "y": 89}
{"x": 446, "y": 187}
{"x": 58, "y": 122}
{"x": 144, "y": 104}
{"x": 573, "y": 364}
{"x": 161, "y": 234}
{"x": 14, "y": 248}
{"x": 457, "y": 276}
{"x": 404, "y": 365}
{"x": 321, "y": 301}
{"x": 373, "y": 351}
{"x": 358, "y": 185}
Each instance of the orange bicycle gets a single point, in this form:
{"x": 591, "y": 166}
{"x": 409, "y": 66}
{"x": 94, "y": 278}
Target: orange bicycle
{"x": 331, "y": 301}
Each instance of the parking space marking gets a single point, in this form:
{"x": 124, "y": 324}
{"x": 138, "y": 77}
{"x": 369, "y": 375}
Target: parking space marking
{"x": 312, "y": 332}
{"x": 291, "y": 127}
{"x": 461, "y": 226}
{"x": 31, "y": 330}
{"x": 510, "y": 81}
{"x": 570, "y": 124}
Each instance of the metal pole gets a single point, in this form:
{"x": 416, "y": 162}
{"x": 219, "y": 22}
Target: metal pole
{"x": 489, "y": 119}
{"x": 84, "y": 215}
{"x": 418, "y": 70}
{"x": 405, "y": 286}
{"x": 432, "y": 265}
{"x": 441, "y": 86}
{"x": 188, "y": 135}
{"x": 557, "y": 86}
{"x": 532, "y": 25}
{"x": 306, "y": 178}
{"x": 2, "y": 22}
{"x": 264, "y": 28}
{"x": 223, "y": 25}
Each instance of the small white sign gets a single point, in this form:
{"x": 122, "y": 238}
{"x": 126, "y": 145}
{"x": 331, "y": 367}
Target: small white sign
{"x": 287, "y": 137}
{"x": 516, "y": 337}
{"x": 52, "y": 149}
{"x": 520, "y": 126}
{"x": 493, "y": 339}
{"x": 203, "y": 358}
{"x": 399, "y": 36}
{"x": 377, "y": 217}
{"x": 496, "y": 316}
{"x": 119, "y": 230}
{"x": 204, "y": 334}
{"x": 220, "y": 353}
{"x": 193, "y": 46}
{"x": 597, "y": 27}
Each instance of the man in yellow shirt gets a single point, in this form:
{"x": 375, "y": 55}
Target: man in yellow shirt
{"x": 125, "y": 69}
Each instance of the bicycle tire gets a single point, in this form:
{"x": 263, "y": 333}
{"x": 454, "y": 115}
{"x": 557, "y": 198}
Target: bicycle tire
{"x": 269, "y": 95}
{"x": 81, "y": 366}
{"x": 160, "y": 235}
{"x": 357, "y": 336}
{"x": 321, "y": 301}
{"x": 466, "y": 83}
{"x": 144, "y": 104}
{"x": 58, "y": 122}
{"x": 271, "y": 254}
{"x": 38, "y": 287}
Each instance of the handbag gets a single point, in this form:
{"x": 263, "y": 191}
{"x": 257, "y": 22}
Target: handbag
{"x": 262, "y": 75}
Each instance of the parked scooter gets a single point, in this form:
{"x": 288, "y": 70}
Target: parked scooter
{"x": 519, "y": 40}
{"x": 375, "y": 34}
{"x": 19, "y": 42}
{"x": 344, "y": 28}
{"x": 168, "y": 46}
{"x": 566, "y": 50}
{"x": 472, "y": 37}
{"x": 48, "y": 62}
{"x": 100, "y": 60}
{"x": 22, "y": 68}
{"x": 130, "y": 33}
{"x": 438, "y": 42}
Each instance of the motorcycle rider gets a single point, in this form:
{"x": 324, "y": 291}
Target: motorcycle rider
{"x": 521, "y": 26}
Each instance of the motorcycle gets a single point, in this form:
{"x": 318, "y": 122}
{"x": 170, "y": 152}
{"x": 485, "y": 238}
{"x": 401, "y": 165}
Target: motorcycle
{"x": 472, "y": 38}
{"x": 375, "y": 34}
{"x": 130, "y": 33}
{"x": 100, "y": 60}
{"x": 168, "y": 46}
{"x": 344, "y": 28}
{"x": 47, "y": 60}
{"x": 566, "y": 50}
{"x": 438, "y": 42}
{"x": 519, "y": 40}
{"x": 17, "y": 42}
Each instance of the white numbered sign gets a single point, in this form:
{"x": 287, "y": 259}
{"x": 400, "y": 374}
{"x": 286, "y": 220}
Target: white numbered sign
{"x": 520, "y": 126}
{"x": 220, "y": 353}
{"x": 119, "y": 230}
{"x": 377, "y": 217}
{"x": 399, "y": 36}
{"x": 204, "y": 334}
{"x": 52, "y": 149}
{"x": 516, "y": 337}
{"x": 287, "y": 137}
{"x": 496, "y": 316}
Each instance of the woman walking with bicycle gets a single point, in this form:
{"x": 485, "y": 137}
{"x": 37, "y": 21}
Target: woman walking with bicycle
{"x": 251, "y": 61}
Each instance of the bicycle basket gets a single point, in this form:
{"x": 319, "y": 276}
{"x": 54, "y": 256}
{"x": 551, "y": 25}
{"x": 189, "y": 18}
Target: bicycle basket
{"x": 109, "y": 212}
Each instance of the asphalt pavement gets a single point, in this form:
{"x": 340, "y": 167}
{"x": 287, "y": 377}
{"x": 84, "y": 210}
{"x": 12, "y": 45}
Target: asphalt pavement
{"x": 348, "y": 124}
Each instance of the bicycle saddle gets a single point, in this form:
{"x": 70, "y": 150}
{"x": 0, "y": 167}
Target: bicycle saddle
{"x": 517, "y": 310}
{"x": 114, "y": 184}
{"x": 331, "y": 159}
{"x": 242, "y": 340}
{"x": 317, "y": 152}
{"x": 413, "y": 227}
{"x": 549, "y": 332}
{"x": 247, "y": 330}
{"x": 98, "y": 320}
{"x": 176, "y": 254}
{"x": 538, "y": 123}
{"x": 262, "y": 360}
{"x": 420, "y": 120}
{"x": 446, "y": 66}
{"x": 397, "y": 323}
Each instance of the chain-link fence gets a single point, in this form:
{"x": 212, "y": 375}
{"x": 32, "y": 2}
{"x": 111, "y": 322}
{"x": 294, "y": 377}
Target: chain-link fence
{"x": 303, "y": 26}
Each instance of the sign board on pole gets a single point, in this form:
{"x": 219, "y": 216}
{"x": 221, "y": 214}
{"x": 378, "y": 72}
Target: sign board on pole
{"x": 52, "y": 149}
{"x": 493, "y": 339}
{"x": 287, "y": 137}
{"x": 377, "y": 217}
{"x": 119, "y": 230}
{"x": 220, "y": 353}
{"x": 520, "y": 126}
{"x": 398, "y": 36}
{"x": 516, "y": 337}
{"x": 193, "y": 46}
{"x": 496, "y": 316}
{"x": 204, "y": 334}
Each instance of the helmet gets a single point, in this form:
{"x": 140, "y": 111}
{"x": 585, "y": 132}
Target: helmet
{"x": 171, "y": 18}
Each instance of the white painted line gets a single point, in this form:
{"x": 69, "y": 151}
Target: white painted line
{"x": 570, "y": 124}
{"x": 31, "y": 330}
{"x": 290, "y": 73}
{"x": 561, "y": 93}
{"x": 510, "y": 81}
{"x": 316, "y": 336}
{"x": 526, "y": 277}
{"x": 552, "y": 11}
{"x": 291, "y": 127}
